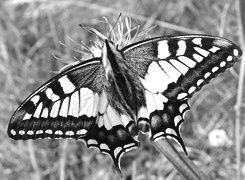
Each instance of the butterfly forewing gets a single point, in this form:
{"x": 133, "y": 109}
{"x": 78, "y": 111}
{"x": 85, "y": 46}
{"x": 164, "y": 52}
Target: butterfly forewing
{"x": 178, "y": 66}
{"x": 66, "y": 106}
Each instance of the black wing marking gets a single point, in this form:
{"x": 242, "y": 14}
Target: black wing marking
{"x": 174, "y": 68}
{"x": 162, "y": 117}
{"x": 64, "y": 107}
{"x": 111, "y": 134}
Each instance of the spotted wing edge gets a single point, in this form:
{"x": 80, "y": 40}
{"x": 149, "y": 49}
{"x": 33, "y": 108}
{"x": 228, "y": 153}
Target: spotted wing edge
{"x": 166, "y": 103}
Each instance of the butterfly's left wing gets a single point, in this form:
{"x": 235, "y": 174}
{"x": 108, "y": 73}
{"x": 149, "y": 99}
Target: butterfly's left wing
{"x": 74, "y": 105}
{"x": 172, "y": 69}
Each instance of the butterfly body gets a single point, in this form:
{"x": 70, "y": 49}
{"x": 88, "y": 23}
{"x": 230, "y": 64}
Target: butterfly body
{"x": 107, "y": 100}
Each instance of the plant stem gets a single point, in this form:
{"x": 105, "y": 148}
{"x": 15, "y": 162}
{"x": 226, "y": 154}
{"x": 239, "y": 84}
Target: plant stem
{"x": 185, "y": 167}
{"x": 240, "y": 5}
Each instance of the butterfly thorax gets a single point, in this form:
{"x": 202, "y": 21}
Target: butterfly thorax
{"x": 124, "y": 90}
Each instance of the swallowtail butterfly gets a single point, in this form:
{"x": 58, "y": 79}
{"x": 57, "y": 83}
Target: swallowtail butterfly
{"x": 107, "y": 100}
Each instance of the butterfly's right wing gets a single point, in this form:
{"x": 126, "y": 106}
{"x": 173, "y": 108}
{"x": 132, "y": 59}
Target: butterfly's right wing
{"x": 171, "y": 69}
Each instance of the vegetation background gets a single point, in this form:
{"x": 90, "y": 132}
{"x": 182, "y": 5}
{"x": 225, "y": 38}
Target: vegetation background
{"x": 30, "y": 36}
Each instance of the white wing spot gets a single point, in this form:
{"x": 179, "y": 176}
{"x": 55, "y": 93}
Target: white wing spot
{"x": 103, "y": 102}
{"x": 168, "y": 131}
{"x": 58, "y": 132}
{"x": 49, "y": 131}
{"x": 38, "y": 110}
{"x": 96, "y": 104}
{"x": 214, "y": 49}
{"x": 197, "y": 57}
{"x": 128, "y": 146}
{"x": 222, "y": 64}
{"x": 200, "y": 81}
{"x": 197, "y": 41}
{"x": 235, "y": 52}
{"x": 30, "y": 132}
{"x": 21, "y": 132}
{"x": 179, "y": 66}
{"x": 39, "y": 132}
{"x": 153, "y": 77}
{"x": 64, "y": 107}
{"x": 207, "y": 75}
{"x": 182, "y": 107}
{"x": 67, "y": 85}
{"x": 27, "y": 116}
{"x": 74, "y": 105}
{"x": 13, "y": 132}
{"x": 181, "y": 95}
{"x": 177, "y": 119}
{"x": 51, "y": 95}
{"x": 229, "y": 58}
{"x": 92, "y": 142}
{"x": 202, "y": 51}
{"x": 45, "y": 113}
{"x": 182, "y": 48}
{"x": 55, "y": 109}
{"x": 86, "y": 102}
{"x": 163, "y": 49}
{"x": 117, "y": 151}
{"x": 215, "y": 69}
{"x": 187, "y": 61}
{"x": 104, "y": 147}
{"x": 100, "y": 122}
{"x": 69, "y": 133}
{"x": 192, "y": 89}
{"x": 81, "y": 132}
{"x": 35, "y": 99}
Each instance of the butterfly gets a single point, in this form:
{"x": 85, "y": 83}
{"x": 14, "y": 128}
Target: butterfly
{"x": 143, "y": 87}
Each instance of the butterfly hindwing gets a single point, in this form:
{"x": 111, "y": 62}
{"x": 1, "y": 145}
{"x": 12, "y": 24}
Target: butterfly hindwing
{"x": 111, "y": 134}
{"x": 172, "y": 69}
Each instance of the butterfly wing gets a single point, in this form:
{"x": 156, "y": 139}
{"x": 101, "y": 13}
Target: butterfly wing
{"x": 172, "y": 69}
{"x": 66, "y": 106}
{"x": 74, "y": 105}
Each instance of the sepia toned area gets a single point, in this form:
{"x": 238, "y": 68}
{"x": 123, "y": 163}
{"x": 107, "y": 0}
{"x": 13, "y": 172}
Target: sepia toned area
{"x": 39, "y": 37}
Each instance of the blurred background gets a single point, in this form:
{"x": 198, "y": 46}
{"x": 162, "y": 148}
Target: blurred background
{"x": 34, "y": 34}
